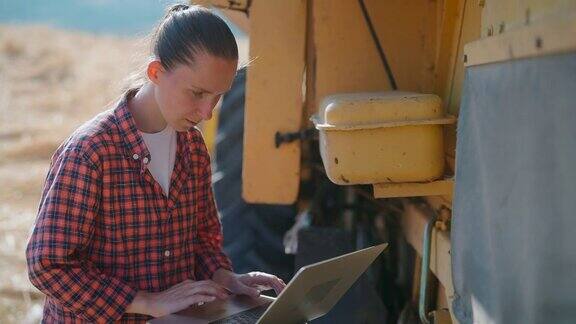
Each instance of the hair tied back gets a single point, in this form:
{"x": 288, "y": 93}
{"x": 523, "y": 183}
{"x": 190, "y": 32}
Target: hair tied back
{"x": 177, "y": 7}
{"x": 186, "y": 31}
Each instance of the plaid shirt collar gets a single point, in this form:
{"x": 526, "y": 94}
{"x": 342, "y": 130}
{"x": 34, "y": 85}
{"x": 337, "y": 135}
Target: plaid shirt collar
{"x": 134, "y": 146}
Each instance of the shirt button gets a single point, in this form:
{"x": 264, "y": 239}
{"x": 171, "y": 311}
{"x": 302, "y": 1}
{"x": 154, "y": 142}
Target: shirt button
{"x": 145, "y": 160}
{"x": 167, "y": 253}
{"x": 135, "y": 156}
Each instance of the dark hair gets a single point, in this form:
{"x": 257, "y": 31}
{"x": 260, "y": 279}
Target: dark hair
{"x": 188, "y": 30}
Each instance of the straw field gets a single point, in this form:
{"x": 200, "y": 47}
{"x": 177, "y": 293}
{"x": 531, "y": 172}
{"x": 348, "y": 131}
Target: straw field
{"x": 51, "y": 81}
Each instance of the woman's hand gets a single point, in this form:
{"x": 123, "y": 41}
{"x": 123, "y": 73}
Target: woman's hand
{"x": 176, "y": 298}
{"x": 250, "y": 284}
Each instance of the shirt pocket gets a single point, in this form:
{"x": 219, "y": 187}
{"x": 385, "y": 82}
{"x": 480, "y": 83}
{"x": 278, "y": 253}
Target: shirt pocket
{"x": 107, "y": 250}
{"x": 129, "y": 216}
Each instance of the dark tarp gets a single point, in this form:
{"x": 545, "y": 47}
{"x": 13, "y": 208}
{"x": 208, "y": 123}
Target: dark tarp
{"x": 514, "y": 224}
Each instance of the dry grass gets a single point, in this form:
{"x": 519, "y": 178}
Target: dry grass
{"x": 50, "y": 82}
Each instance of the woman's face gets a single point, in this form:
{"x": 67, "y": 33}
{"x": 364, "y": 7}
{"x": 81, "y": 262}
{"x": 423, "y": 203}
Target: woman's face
{"x": 187, "y": 94}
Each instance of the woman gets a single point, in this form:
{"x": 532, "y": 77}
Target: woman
{"x": 127, "y": 227}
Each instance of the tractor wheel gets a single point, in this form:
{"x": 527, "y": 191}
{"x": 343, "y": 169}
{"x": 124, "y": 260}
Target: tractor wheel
{"x": 253, "y": 233}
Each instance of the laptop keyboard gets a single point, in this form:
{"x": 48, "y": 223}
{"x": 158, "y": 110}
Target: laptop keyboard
{"x": 249, "y": 316}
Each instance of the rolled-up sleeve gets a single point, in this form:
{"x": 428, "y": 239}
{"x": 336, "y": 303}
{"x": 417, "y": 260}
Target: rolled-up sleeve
{"x": 208, "y": 243}
{"x": 64, "y": 226}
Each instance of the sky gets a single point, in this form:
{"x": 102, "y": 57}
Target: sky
{"x": 116, "y": 17}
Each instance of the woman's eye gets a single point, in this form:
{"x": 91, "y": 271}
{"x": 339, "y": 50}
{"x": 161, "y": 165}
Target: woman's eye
{"x": 197, "y": 94}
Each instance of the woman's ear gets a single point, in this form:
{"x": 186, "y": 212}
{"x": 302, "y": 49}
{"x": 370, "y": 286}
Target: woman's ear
{"x": 154, "y": 70}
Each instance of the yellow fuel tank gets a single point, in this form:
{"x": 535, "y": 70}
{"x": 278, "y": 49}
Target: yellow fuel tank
{"x": 378, "y": 137}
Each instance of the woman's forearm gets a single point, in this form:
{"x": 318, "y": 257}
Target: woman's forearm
{"x": 140, "y": 304}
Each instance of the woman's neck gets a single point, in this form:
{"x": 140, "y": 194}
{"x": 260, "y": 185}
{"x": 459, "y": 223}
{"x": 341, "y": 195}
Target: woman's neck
{"x": 145, "y": 111}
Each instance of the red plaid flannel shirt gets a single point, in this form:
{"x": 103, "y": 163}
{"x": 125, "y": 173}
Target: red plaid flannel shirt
{"x": 105, "y": 229}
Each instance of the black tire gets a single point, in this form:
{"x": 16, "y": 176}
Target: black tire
{"x": 253, "y": 233}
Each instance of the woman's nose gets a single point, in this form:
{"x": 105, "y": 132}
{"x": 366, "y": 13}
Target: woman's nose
{"x": 206, "y": 111}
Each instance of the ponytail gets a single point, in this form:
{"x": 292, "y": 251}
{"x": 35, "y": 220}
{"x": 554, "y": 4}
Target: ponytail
{"x": 184, "y": 32}
{"x": 188, "y": 30}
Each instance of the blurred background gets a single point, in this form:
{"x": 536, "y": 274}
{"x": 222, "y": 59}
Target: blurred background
{"x": 61, "y": 62}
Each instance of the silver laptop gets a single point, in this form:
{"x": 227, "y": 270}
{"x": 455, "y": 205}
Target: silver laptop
{"x": 313, "y": 291}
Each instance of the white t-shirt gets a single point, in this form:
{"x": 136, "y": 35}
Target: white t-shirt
{"x": 162, "y": 148}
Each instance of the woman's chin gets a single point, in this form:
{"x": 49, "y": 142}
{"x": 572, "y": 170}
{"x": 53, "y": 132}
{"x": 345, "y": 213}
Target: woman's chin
{"x": 184, "y": 126}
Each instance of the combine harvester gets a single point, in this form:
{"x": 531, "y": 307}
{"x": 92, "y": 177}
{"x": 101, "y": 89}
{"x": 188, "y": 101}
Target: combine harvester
{"x": 446, "y": 128}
